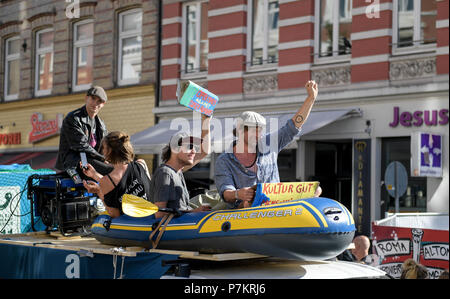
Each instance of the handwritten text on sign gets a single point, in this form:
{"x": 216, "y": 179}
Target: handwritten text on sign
{"x": 197, "y": 98}
{"x": 203, "y": 103}
{"x": 282, "y": 192}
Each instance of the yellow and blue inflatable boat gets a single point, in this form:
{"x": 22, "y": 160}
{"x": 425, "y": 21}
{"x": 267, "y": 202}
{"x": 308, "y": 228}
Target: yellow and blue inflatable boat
{"x": 309, "y": 229}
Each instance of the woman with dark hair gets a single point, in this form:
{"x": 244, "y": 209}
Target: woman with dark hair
{"x": 127, "y": 177}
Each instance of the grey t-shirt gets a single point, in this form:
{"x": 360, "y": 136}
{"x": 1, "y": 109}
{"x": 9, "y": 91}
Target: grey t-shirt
{"x": 169, "y": 186}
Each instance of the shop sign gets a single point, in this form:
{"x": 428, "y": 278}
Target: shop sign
{"x": 419, "y": 117}
{"x": 42, "y": 129}
{"x": 361, "y": 175}
{"x": 10, "y": 139}
{"x": 426, "y": 154}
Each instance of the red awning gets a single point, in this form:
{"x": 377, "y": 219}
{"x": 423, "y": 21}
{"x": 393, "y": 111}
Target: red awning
{"x": 36, "y": 160}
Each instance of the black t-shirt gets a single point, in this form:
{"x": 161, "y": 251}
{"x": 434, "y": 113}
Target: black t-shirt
{"x": 134, "y": 181}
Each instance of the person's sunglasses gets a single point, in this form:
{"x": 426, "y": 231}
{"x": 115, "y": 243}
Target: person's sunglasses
{"x": 191, "y": 146}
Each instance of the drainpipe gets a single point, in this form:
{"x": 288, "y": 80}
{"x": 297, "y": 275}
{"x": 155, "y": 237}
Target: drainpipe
{"x": 158, "y": 73}
{"x": 158, "y": 59}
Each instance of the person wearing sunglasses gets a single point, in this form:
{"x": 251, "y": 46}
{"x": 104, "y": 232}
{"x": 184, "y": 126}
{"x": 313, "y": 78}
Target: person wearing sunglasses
{"x": 182, "y": 153}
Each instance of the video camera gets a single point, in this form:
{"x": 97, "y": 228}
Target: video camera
{"x": 61, "y": 204}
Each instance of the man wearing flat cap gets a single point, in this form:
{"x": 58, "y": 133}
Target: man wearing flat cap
{"x": 245, "y": 164}
{"x": 82, "y": 131}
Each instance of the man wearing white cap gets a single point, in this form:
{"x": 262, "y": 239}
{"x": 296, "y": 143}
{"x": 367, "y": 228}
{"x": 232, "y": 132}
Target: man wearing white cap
{"x": 183, "y": 152}
{"x": 245, "y": 165}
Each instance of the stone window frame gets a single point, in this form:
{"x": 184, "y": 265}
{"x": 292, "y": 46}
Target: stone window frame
{"x": 6, "y": 59}
{"x": 120, "y": 37}
{"x": 265, "y": 65}
{"x": 75, "y": 45}
{"x": 37, "y": 52}
{"x": 7, "y": 31}
{"x": 335, "y": 57}
{"x": 417, "y": 46}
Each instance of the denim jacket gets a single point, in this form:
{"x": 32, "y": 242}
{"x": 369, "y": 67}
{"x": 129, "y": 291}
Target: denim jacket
{"x": 230, "y": 174}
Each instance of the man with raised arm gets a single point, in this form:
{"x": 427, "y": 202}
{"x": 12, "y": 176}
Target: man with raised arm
{"x": 246, "y": 164}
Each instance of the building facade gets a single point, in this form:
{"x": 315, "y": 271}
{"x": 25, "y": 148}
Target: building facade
{"x": 52, "y": 51}
{"x": 382, "y": 70}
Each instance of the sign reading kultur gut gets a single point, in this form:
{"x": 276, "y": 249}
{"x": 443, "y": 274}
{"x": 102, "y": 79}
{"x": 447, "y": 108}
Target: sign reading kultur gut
{"x": 274, "y": 193}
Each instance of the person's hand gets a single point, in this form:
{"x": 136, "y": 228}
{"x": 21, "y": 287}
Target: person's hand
{"x": 202, "y": 208}
{"x": 91, "y": 187}
{"x": 89, "y": 171}
{"x": 318, "y": 191}
{"x": 312, "y": 89}
{"x": 246, "y": 194}
{"x": 247, "y": 204}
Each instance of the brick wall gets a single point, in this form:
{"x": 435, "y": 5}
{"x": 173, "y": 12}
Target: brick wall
{"x": 370, "y": 60}
{"x": 24, "y": 18}
{"x": 371, "y": 42}
{"x": 296, "y": 48}
{"x": 442, "y": 61}
{"x": 128, "y": 109}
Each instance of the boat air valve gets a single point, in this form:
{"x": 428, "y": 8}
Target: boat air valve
{"x": 329, "y": 212}
{"x": 226, "y": 226}
{"x": 107, "y": 224}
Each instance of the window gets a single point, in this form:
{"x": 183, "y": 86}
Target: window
{"x": 414, "y": 23}
{"x": 44, "y": 62}
{"x": 333, "y": 27}
{"x": 287, "y": 164}
{"x": 130, "y": 46}
{"x": 195, "y": 37}
{"x": 264, "y": 31}
{"x": 12, "y": 68}
{"x": 82, "y": 55}
{"x": 415, "y": 197}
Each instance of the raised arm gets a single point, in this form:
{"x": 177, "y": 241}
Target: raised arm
{"x": 205, "y": 147}
{"x": 302, "y": 114}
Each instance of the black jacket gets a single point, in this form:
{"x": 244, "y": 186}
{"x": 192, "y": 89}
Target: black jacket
{"x": 74, "y": 138}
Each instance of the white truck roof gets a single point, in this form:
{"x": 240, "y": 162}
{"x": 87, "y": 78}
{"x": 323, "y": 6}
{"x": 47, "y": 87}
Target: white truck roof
{"x": 271, "y": 268}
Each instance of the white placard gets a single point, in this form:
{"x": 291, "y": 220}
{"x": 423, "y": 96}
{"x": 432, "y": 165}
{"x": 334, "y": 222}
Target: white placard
{"x": 426, "y": 154}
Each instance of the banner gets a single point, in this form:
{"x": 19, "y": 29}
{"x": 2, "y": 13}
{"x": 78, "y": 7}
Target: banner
{"x": 30, "y": 262}
{"x": 9, "y": 201}
{"x": 361, "y": 189}
{"x": 274, "y": 193}
{"x": 14, "y": 205}
{"x": 393, "y": 245}
{"x": 197, "y": 98}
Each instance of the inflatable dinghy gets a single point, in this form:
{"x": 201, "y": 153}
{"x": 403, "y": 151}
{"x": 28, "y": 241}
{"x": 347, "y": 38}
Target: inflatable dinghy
{"x": 305, "y": 229}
